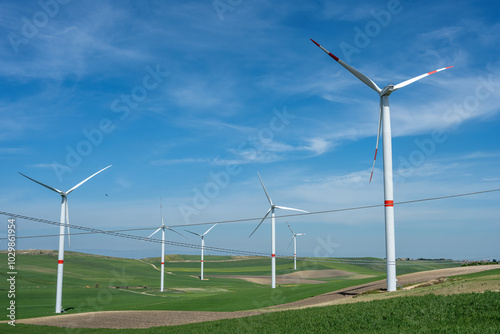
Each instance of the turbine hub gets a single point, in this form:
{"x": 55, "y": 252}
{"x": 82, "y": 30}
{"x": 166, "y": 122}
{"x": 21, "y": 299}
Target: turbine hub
{"x": 387, "y": 90}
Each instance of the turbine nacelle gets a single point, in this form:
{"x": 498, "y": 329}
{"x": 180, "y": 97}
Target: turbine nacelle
{"x": 273, "y": 206}
{"x": 387, "y": 90}
{"x": 201, "y": 235}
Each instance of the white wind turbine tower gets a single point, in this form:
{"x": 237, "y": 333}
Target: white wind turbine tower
{"x": 162, "y": 228}
{"x": 273, "y": 233}
{"x": 294, "y": 239}
{"x": 64, "y": 221}
{"x": 385, "y": 121}
{"x": 202, "y": 246}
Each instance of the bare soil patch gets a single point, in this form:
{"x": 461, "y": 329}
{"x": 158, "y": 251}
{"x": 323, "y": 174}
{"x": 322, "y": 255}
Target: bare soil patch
{"x": 133, "y": 319}
{"x": 146, "y": 319}
{"x": 264, "y": 280}
{"x": 299, "y": 277}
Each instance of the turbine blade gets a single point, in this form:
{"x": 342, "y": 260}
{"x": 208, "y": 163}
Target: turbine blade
{"x": 161, "y": 212}
{"x": 168, "y": 228}
{"x": 151, "y": 234}
{"x": 268, "y": 198}
{"x": 407, "y": 82}
{"x": 300, "y": 234}
{"x": 378, "y": 138}
{"x": 67, "y": 221}
{"x": 260, "y": 222}
{"x": 290, "y": 229}
{"x": 46, "y": 186}
{"x": 290, "y": 242}
{"x": 285, "y": 208}
{"x": 193, "y": 233}
{"x": 369, "y": 82}
{"x": 91, "y": 176}
{"x": 208, "y": 230}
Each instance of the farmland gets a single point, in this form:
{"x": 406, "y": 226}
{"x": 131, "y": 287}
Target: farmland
{"x": 98, "y": 284}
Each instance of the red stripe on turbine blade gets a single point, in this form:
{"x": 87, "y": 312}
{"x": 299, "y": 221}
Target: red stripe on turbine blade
{"x": 329, "y": 53}
{"x": 333, "y": 56}
{"x": 374, "y": 159}
{"x": 389, "y": 203}
{"x": 449, "y": 67}
{"x": 60, "y": 261}
{"x": 429, "y": 73}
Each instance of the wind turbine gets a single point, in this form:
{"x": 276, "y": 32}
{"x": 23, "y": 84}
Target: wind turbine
{"x": 63, "y": 221}
{"x": 273, "y": 233}
{"x": 385, "y": 121}
{"x": 202, "y": 246}
{"x": 294, "y": 239}
{"x": 162, "y": 228}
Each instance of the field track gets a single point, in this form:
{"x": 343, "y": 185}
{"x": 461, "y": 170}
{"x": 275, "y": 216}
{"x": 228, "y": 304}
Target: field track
{"x": 146, "y": 319}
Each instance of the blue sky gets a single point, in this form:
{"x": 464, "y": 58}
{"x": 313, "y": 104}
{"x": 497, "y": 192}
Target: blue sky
{"x": 189, "y": 99}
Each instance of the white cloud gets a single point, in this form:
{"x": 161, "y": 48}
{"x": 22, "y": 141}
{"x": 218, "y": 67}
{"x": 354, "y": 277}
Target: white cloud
{"x": 318, "y": 145}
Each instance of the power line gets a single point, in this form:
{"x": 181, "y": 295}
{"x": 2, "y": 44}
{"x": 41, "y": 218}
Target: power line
{"x": 134, "y": 237}
{"x": 226, "y": 250}
{"x": 209, "y": 248}
{"x": 448, "y": 196}
{"x": 79, "y": 233}
{"x": 284, "y": 216}
{"x": 341, "y": 209}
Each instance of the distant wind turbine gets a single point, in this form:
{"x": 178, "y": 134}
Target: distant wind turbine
{"x": 64, "y": 221}
{"x": 202, "y": 246}
{"x": 273, "y": 233}
{"x": 294, "y": 239}
{"x": 384, "y": 118}
{"x": 162, "y": 228}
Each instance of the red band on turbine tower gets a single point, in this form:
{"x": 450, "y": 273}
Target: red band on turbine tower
{"x": 389, "y": 203}
{"x": 272, "y": 255}
{"x": 201, "y": 260}
{"x": 60, "y": 261}
{"x": 163, "y": 263}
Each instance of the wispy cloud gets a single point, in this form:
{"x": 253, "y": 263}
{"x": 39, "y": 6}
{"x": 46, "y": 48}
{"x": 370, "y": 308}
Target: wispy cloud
{"x": 12, "y": 150}
{"x": 163, "y": 162}
{"x": 491, "y": 179}
{"x": 344, "y": 12}
{"x": 217, "y": 106}
{"x": 480, "y": 155}
{"x": 318, "y": 145}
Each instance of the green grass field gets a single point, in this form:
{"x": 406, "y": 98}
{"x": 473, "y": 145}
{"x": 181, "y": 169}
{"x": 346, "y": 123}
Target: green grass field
{"x": 90, "y": 283}
{"x": 463, "y": 313}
